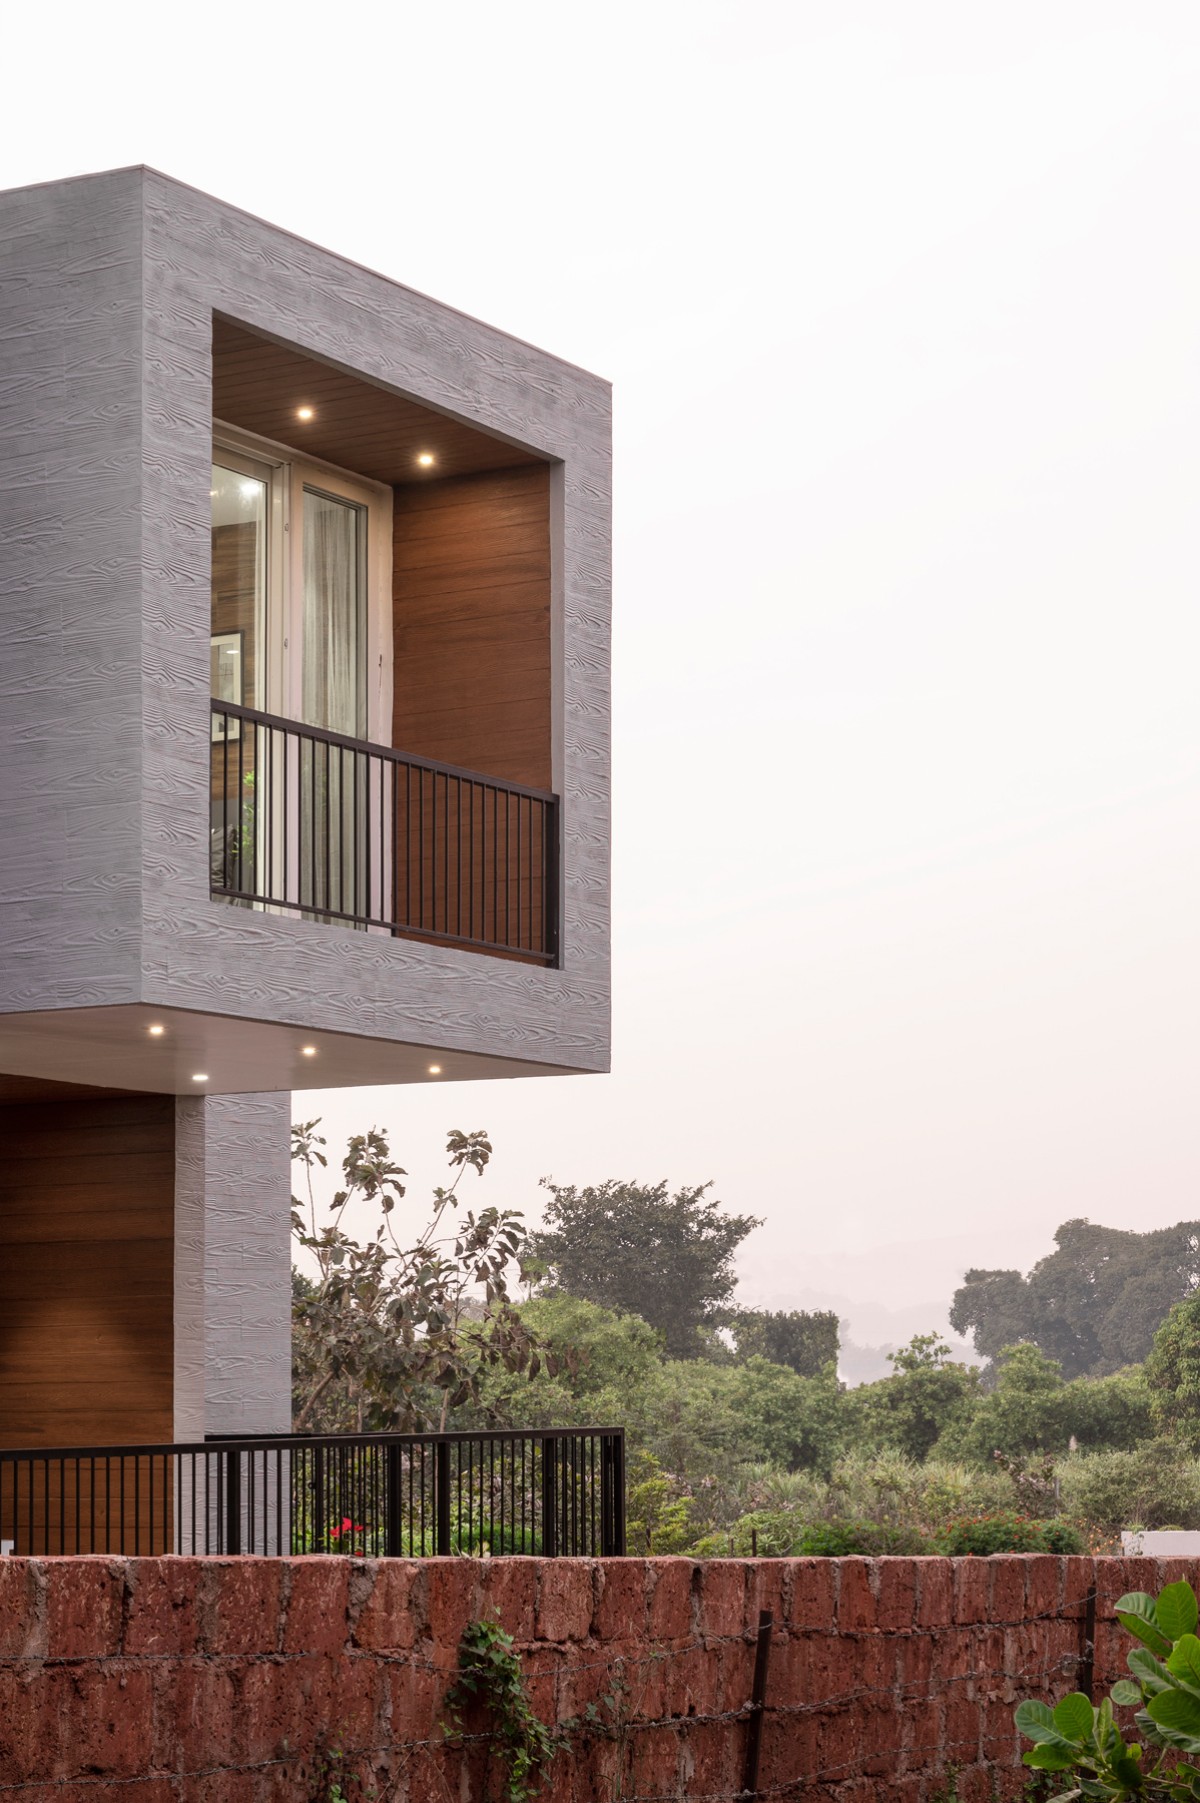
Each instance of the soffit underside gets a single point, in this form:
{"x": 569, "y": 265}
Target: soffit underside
{"x": 259, "y": 385}
{"x": 236, "y": 1056}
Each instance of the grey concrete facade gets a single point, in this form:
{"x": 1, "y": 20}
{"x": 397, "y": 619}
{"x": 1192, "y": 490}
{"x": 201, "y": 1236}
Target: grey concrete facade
{"x": 233, "y": 1362}
{"x": 110, "y": 284}
{"x": 108, "y": 289}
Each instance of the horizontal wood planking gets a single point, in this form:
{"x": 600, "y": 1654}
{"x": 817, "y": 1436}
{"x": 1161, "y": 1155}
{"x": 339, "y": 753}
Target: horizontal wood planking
{"x": 258, "y": 385}
{"x": 87, "y": 1272}
{"x": 471, "y": 589}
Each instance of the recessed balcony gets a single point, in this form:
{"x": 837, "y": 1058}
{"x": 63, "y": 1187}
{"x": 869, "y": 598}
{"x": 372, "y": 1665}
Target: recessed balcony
{"x": 333, "y": 829}
{"x": 381, "y": 661}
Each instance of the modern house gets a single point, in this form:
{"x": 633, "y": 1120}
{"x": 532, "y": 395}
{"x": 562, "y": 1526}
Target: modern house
{"x": 304, "y": 636}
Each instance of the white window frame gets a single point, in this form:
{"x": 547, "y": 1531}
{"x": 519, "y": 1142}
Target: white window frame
{"x": 289, "y": 472}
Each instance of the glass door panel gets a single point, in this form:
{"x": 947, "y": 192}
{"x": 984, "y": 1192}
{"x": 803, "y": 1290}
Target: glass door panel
{"x": 333, "y": 696}
{"x": 334, "y": 615}
{"x": 240, "y": 511}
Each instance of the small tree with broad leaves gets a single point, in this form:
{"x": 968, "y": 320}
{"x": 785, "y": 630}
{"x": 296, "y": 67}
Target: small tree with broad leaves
{"x": 1088, "y": 1743}
{"x": 392, "y": 1335}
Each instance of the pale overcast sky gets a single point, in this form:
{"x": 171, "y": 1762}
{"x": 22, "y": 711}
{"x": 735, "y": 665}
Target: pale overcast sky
{"x": 901, "y": 302}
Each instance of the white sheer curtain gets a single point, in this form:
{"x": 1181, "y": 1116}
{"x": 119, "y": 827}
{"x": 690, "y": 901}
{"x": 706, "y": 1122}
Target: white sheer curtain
{"x": 332, "y": 634}
{"x": 332, "y": 787}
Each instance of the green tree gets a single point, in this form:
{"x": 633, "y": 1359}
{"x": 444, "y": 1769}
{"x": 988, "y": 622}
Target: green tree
{"x": 927, "y": 1395}
{"x": 393, "y": 1335}
{"x": 805, "y": 1342}
{"x": 635, "y": 1248}
{"x": 595, "y": 1360}
{"x": 1031, "y": 1409}
{"x": 1173, "y": 1373}
{"x": 1093, "y": 1304}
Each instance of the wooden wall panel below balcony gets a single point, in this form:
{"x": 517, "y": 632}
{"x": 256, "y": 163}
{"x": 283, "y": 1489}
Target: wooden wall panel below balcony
{"x": 86, "y": 1272}
{"x": 471, "y": 584}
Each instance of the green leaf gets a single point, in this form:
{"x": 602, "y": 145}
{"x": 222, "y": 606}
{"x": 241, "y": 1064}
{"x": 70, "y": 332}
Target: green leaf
{"x": 1126, "y": 1694}
{"x": 1127, "y": 1768}
{"x": 1074, "y": 1717}
{"x": 1176, "y": 1713}
{"x": 1136, "y": 1615}
{"x": 1184, "y": 1660}
{"x": 1152, "y": 1672}
{"x": 1175, "y": 1611}
{"x": 1035, "y": 1721}
{"x": 1051, "y": 1759}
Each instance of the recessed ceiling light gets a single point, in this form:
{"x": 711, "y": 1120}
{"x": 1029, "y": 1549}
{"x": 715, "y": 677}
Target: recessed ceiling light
{"x": 435, "y": 1070}
{"x": 425, "y": 459}
{"x": 199, "y": 1076}
{"x": 304, "y": 413}
{"x": 156, "y": 1032}
{"x": 308, "y": 1051}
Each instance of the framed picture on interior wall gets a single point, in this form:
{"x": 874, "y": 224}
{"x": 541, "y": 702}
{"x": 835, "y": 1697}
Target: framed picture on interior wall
{"x": 226, "y": 682}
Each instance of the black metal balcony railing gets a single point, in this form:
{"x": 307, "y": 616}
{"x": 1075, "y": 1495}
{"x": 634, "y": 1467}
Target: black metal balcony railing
{"x": 549, "y": 1492}
{"x": 336, "y": 829}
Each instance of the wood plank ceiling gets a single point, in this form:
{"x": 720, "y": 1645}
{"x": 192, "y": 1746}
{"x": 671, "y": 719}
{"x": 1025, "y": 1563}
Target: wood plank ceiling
{"x": 259, "y": 386}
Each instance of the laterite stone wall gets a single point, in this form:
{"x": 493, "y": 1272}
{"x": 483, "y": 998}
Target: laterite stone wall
{"x": 232, "y": 1679}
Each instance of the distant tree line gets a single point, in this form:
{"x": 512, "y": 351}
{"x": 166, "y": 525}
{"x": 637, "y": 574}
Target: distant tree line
{"x": 1083, "y": 1415}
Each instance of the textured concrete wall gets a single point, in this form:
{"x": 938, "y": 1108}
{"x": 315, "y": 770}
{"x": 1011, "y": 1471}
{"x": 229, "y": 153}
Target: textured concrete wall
{"x": 70, "y": 576}
{"x": 180, "y": 1679}
{"x": 232, "y": 1265}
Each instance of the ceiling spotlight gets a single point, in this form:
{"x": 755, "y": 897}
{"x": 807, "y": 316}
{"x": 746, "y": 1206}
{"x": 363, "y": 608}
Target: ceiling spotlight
{"x": 199, "y": 1076}
{"x": 435, "y": 1070}
{"x": 308, "y": 1051}
{"x": 304, "y": 413}
{"x": 425, "y": 459}
{"x": 156, "y": 1032}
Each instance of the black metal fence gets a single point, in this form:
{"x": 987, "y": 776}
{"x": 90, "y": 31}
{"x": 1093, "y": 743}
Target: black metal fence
{"x": 550, "y": 1492}
{"x": 336, "y": 829}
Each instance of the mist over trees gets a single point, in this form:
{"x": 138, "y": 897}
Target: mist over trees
{"x": 1093, "y": 1304}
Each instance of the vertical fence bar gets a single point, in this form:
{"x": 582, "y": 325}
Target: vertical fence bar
{"x": 549, "y": 1499}
{"x": 441, "y": 1498}
{"x": 233, "y": 1502}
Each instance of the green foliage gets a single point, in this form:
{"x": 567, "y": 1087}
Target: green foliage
{"x": 780, "y": 1535}
{"x": 1152, "y": 1486}
{"x": 489, "y": 1674}
{"x": 1031, "y": 1409}
{"x": 928, "y": 1395}
{"x": 1165, "y": 1691}
{"x": 1092, "y": 1305}
{"x": 1007, "y": 1532}
{"x": 806, "y": 1343}
{"x": 658, "y": 1512}
{"x": 394, "y": 1335}
{"x": 1173, "y": 1373}
{"x": 632, "y": 1247}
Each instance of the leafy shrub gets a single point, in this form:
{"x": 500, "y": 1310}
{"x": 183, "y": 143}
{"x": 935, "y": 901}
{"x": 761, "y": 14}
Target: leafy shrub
{"x": 781, "y": 1535}
{"x": 1074, "y": 1737}
{"x": 871, "y": 1539}
{"x": 1007, "y": 1532}
{"x": 891, "y": 1487}
{"x": 1154, "y": 1485}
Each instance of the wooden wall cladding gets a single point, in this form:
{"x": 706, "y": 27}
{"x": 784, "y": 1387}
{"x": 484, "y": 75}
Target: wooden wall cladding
{"x": 259, "y": 384}
{"x": 471, "y": 623}
{"x": 87, "y": 1272}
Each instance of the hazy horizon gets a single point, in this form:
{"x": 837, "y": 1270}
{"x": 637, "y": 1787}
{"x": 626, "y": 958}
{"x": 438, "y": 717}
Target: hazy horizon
{"x": 900, "y": 307}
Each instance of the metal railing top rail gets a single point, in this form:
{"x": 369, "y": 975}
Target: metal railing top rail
{"x": 391, "y": 753}
{"x": 287, "y": 1442}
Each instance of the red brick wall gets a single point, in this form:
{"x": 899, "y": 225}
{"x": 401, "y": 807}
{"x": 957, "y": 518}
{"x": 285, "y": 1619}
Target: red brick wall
{"x": 180, "y": 1679}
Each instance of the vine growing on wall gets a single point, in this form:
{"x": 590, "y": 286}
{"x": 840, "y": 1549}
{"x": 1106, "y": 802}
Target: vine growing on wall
{"x": 489, "y": 1674}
